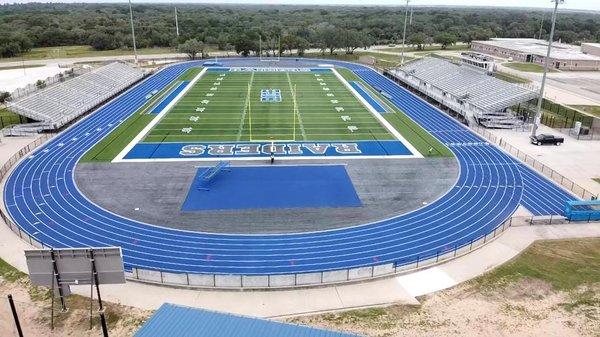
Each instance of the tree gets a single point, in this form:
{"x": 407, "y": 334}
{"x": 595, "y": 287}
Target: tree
{"x": 40, "y": 84}
{"x": 244, "y": 44}
{"x": 418, "y": 39}
{"x": 223, "y": 42}
{"x": 352, "y": 39}
{"x": 4, "y": 96}
{"x": 192, "y": 48}
{"x": 445, "y": 39}
{"x": 104, "y": 41}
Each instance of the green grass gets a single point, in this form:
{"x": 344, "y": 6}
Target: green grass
{"x": 413, "y": 132}
{"x": 21, "y": 66}
{"x": 381, "y": 60}
{"x": 596, "y": 180}
{"x": 591, "y": 109}
{"x": 81, "y": 51}
{"x": 227, "y": 118}
{"x": 10, "y": 273}
{"x": 7, "y": 118}
{"x": 527, "y": 67}
{"x": 456, "y": 47}
{"x": 235, "y": 114}
{"x": 510, "y": 78}
{"x": 109, "y": 147}
{"x": 564, "y": 264}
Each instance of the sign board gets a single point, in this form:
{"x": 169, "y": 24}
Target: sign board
{"x": 74, "y": 266}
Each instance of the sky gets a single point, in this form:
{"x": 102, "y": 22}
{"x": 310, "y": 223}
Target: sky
{"x": 571, "y": 4}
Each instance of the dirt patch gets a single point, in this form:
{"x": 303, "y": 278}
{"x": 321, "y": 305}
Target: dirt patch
{"x": 33, "y": 308}
{"x": 525, "y": 308}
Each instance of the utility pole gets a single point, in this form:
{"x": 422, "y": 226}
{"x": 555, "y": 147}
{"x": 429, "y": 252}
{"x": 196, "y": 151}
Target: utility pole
{"x": 538, "y": 113}
{"x": 133, "y": 33}
{"x": 176, "y": 22}
{"x": 542, "y": 25}
{"x": 404, "y": 34}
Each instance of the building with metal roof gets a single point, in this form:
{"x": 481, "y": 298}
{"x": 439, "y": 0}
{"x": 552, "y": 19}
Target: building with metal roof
{"x": 179, "y": 321}
{"x": 563, "y": 56}
{"x": 467, "y": 90}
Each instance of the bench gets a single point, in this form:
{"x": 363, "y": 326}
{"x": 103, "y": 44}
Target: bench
{"x": 209, "y": 174}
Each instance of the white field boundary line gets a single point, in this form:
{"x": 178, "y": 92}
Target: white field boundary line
{"x": 142, "y": 134}
{"x": 383, "y": 121}
{"x": 265, "y": 158}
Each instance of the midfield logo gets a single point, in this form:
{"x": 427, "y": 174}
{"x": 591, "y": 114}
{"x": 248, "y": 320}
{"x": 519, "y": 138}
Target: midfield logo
{"x": 296, "y": 149}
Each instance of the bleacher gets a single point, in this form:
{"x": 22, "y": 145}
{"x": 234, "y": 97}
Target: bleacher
{"x": 463, "y": 88}
{"x": 57, "y": 105}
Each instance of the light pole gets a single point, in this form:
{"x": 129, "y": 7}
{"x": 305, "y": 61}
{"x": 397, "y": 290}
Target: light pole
{"x": 176, "y": 22}
{"x": 133, "y": 33}
{"x": 538, "y": 113}
{"x": 404, "y": 34}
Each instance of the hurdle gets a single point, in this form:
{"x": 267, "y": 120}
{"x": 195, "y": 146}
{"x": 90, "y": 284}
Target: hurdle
{"x": 209, "y": 174}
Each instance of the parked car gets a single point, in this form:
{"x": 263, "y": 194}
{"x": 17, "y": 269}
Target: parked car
{"x": 543, "y": 139}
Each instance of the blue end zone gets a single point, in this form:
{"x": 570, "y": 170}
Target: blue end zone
{"x": 372, "y": 101}
{"x": 219, "y": 69}
{"x": 160, "y": 106}
{"x": 293, "y": 149}
{"x": 274, "y": 187}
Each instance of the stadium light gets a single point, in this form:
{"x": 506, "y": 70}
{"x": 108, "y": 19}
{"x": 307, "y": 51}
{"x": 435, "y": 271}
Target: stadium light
{"x": 538, "y": 113}
{"x": 404, "y": 34}
{"x": 133, "y": 33}
{"x": 176, "y": 22}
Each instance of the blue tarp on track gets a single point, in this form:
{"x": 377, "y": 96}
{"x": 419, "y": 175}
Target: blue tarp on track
{"x": 171, "y": 96}
{"x": 372, "y": 101}
{"x": 249, "y": 187}
{"x": 179, "y": 321}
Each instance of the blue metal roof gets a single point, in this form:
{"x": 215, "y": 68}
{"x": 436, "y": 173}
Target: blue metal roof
{"x": 179, "y": 321}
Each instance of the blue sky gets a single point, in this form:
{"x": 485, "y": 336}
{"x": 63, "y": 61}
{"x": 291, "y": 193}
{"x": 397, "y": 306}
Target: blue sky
{"x": 573, "y": 4}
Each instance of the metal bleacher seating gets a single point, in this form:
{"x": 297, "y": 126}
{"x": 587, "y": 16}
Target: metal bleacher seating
{"x": 488, "y": 97}
{"x": 57, "y": 105}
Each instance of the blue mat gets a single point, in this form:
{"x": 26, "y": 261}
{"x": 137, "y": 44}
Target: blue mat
{"x": 160, "y": 106}
{"x": 274, "y": 187}
{"x": 374, "y": 103}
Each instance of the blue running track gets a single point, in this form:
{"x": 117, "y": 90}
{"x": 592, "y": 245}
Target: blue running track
{"x": 42, "y": 198}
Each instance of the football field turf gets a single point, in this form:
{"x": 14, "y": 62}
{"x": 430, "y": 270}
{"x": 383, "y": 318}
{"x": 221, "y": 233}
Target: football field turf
{"x": 268, "y": 105}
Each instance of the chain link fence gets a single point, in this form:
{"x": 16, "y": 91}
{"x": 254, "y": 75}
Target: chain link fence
{"x": 551, "y": 174}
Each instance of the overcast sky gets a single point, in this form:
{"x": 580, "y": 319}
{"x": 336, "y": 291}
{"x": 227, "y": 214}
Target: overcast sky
{"x": 574, "y": 4}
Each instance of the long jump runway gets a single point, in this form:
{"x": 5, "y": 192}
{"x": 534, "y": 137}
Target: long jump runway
{"x": 41, "y": 197}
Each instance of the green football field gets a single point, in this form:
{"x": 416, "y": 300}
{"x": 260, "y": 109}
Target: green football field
{"x": 227, "y": 106}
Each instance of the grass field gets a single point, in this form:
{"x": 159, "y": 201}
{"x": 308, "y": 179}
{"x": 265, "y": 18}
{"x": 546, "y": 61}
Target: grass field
{"x": 527, "y": 67}
{"x": 591, "y": 109}
{"x": 81, "y": 51}
{"x": 510, "y": 78}
{"x": 233, "y": 110}
{"x": 458, "y": 46}
{"x": 21, "y": 66}
{"x": 227, "y": 118}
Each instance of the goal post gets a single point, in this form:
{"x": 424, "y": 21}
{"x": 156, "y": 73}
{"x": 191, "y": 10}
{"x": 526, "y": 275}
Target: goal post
{"x": 274, "y": 58}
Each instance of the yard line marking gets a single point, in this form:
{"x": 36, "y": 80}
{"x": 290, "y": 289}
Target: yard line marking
{"x": 296, "y": 113}
{"x": 243, "y": 119}
{"x": 153, "y": 122}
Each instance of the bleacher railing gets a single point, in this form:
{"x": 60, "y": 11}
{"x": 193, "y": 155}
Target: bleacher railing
{"x": 551, "y": 174}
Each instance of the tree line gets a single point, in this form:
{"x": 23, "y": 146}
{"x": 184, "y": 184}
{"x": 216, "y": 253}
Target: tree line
{"x": 285, "y": 28}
